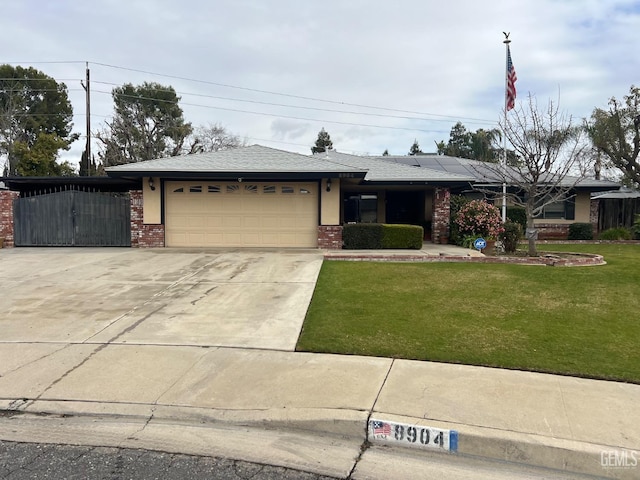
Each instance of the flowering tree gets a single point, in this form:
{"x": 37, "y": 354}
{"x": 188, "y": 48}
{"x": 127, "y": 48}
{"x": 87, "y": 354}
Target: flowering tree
{"x": 479, "y": 218}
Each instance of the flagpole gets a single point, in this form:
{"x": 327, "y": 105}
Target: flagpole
{"x": 504, "y": 136}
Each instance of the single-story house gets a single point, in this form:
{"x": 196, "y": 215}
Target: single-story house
{"x": 263, "y": 197}
{"x": 258, "y": 196}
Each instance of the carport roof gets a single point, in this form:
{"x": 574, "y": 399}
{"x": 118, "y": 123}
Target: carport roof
{"x": 252, "y": 161}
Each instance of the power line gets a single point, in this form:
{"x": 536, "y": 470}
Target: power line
{"x": 301, "y": 97}
{"x": 290, "y": 117}
{"x": 300, "y": 107}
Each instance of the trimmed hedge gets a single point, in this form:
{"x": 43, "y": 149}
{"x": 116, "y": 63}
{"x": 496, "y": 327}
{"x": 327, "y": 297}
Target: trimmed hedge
{"x": 402, "y": 236}
{"x": 377, "y": 236}
{"x": 580, "y": 231}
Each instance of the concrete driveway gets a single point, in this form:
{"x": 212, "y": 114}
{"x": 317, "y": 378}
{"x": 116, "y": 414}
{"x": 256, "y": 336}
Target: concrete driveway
{"x": 232, "y": 298}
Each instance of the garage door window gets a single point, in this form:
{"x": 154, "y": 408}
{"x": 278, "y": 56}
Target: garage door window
{"x": 195, "y": 189}
{"x": 288, "y": 190}
{"x": 269, "y": 189}
{"x": 233, "y": 189}
{"x": 213, "y": 188}
{"x": 251, "y": 188}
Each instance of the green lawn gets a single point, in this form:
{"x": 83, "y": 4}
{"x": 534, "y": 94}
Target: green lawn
{"x": 582, "y": 321}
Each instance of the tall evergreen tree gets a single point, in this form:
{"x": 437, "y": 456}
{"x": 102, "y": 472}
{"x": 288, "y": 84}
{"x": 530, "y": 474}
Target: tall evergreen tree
{"x": 415, "y": 148}
{"x": 147, "y": 123}
{"x": 32, "y": 104}
{"x": 323, "y": 142}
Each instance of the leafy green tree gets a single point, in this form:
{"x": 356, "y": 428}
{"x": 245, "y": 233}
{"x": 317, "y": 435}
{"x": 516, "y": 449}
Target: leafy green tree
{"x": 31, "y": 104}
{"x": 479, "y": 145}
{"x": 323, "y": 142}
{"x": 39, "y": 159}
{"x": 415, "y": 148}
{"x": 616, "y": 133}
{"x": 147, "y": 123}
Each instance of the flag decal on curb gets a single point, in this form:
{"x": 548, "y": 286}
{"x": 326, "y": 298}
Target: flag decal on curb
{"x": 415, "y": 436}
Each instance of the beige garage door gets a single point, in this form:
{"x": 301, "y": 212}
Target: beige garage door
{"x": 222, "y": 214}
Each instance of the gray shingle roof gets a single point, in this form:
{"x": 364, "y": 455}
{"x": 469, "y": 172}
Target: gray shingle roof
{"x": 252, "y": 159}
{"x": 380, "y": 169}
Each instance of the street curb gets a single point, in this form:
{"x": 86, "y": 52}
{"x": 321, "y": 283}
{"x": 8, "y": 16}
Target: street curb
{"x": 560, "y": 454}
{"x": 473, "y": 441}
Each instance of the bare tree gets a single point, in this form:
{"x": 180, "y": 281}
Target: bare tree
{"x": 212, "y": 138}
{"x": 549, "y": 148}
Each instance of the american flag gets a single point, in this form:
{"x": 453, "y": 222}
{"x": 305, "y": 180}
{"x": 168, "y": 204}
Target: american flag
{"x": 381, "y": 428}
{"x": 511, "y": 82}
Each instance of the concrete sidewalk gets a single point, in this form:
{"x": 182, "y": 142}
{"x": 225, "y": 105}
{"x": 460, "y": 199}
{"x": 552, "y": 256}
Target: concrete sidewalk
{"x": 108, "y": 368}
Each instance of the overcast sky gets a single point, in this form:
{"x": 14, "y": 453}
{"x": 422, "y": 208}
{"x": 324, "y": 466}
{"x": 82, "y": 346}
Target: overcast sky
{"x": 375, "y": 74}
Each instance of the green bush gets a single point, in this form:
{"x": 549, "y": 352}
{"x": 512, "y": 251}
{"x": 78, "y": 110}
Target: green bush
{"x": 616, "y": 234}
{"x": 402, "y": 236}
{"x": 362, "y": 235}
{"x": 376, "y": 236}
{"x": 511, "y": 236}
{"x": 636, "y": 227}
{"x": 580, "y": 231}
{"x": 518, "y": 215}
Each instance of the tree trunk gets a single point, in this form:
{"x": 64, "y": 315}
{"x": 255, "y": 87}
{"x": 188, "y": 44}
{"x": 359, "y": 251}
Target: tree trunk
{"x": 531, "y": 236}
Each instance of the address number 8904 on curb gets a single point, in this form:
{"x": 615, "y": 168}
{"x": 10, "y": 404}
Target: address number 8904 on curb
{"x": 403, "y": 434}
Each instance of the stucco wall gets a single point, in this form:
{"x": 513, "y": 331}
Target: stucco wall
{"x": 152, "y": 204}
{"x": 330, "y": 203}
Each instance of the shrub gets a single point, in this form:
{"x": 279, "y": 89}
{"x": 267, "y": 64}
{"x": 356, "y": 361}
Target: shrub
{"x": 362, "y": 235}
{"x": 402, "y": 236}
{"x": 636, "y": 227}
{"x": 456, "y": 202}
{"x": 518, "y": 215}
{"x": 616, "y": 234}
{"x": 375, "y": 236}
{"x": 580, "y": 231}
{"x": 511, "y": 236}
{"x": 479, "y": 218}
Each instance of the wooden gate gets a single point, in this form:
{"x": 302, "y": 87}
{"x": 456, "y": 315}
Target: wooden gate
{"x": 73, "y": 218}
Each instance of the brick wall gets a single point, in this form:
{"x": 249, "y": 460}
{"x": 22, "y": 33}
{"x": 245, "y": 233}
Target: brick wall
{"x": 6, "y": 216}
{"x": 143, "y": 236}
{"x": 552, "y": 231}
{"x": 330, "y": 237}
{"x": 441, "y": 213}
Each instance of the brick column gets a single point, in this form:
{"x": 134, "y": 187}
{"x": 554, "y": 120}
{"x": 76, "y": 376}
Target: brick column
{"x": 6, "y": 216}
{"x": 143, "y": 236}
{"x": 441, "y": 214}
{"x": 330, "y": 237}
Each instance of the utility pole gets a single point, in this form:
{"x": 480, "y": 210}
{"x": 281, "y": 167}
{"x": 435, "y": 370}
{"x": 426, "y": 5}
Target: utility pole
{"x": 87, "y": 89}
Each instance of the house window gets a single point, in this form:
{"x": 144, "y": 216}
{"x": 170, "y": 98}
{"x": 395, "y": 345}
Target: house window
{"x": 560, "y": 210}
{"x": 360, "y": 208}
